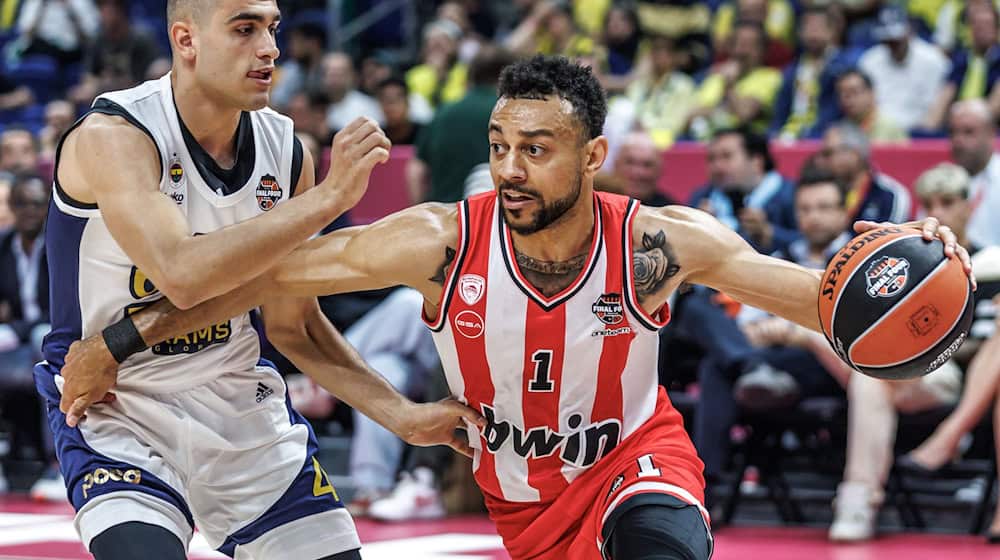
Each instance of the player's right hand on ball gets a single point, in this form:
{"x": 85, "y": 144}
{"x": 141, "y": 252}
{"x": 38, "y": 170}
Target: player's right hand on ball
{"x": 357, "y": 149}
{"x": 89, "y": 374}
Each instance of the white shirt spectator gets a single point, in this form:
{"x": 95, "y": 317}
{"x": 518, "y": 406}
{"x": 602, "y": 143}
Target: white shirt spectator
{"x": 55, "y": 25}
{"x": 984, "y": 192}
{"x": 355, "y": 104}
{"x": 905, "y": 92}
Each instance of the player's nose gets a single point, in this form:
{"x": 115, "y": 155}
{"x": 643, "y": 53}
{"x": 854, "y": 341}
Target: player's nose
{"x": 511, "y": 169}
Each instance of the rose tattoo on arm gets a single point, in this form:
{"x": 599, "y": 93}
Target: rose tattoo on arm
{"x": 653, "y": 265}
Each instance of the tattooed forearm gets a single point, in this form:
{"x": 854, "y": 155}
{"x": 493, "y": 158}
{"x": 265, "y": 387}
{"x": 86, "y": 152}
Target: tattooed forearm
{"x": 653, "y": 264}
{"x": 442, "y": 273}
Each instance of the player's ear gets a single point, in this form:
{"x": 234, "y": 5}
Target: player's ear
{"x": 182, "y": 40}
{"x": 596, "y": 151}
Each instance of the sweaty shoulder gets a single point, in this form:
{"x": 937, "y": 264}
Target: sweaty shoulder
{"x": 92, "y": 158}
{"x": 670, "y": 245}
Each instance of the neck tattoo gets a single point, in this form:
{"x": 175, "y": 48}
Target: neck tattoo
{"x": 573, "y": 265}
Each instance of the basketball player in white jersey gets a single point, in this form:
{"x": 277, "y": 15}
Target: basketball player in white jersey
{"x": 184, "y": 188}
{"x": 545, "y": 299}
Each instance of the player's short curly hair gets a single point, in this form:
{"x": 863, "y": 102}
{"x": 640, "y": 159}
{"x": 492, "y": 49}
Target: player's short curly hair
{"x": 541, "y": 76}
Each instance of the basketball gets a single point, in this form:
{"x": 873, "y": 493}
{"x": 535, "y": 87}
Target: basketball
{"x": 893, "y": 306}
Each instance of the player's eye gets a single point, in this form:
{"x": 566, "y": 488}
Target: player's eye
{"x": 244, "y": 29}
{"x": 273, "y": 29}
{"x": 534, "y": 150}
{"x": 496, "y": 147}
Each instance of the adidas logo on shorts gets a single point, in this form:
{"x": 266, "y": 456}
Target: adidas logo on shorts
{"x": 263, "y": 391}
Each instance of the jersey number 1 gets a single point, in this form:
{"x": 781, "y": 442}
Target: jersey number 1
{"x": 541, "y": 383}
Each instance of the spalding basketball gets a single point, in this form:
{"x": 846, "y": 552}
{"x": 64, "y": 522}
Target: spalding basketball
{"x": 893, "y": 306}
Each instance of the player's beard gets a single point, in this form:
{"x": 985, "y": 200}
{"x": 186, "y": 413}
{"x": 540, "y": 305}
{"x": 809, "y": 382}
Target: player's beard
{"x": 548, "y": 214}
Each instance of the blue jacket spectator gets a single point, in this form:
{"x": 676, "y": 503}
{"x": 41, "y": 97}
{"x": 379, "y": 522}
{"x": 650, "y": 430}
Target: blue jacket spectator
{"x": 746, "y": 193}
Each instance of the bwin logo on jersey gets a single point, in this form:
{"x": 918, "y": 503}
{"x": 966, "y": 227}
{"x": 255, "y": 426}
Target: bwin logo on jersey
{"x": 582, "y": 447}
{"x": 268, "y": 192}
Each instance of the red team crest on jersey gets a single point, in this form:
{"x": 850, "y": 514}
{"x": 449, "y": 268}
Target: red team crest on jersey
{"x": 268, "y": 192}
{"x": 470, "y": 288}
{"x": 887, "y": 276}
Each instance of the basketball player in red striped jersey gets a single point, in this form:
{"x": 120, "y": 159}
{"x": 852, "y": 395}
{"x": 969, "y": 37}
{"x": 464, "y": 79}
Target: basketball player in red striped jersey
{"x": 545, "y": 298}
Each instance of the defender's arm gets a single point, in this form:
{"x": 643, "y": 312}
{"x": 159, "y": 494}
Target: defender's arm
{"x": 190, "y": 269}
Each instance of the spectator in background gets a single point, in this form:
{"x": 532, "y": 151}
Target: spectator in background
{"x": 661, "y": 100}
{"x": 746, "y": 193}
{"x": 302, "y": 68}
{"x": 907, "y": 71}
{"x": 120, "y": 59}
{"x": 687, "y": 22}
{"x": 806, "y": 103}
{"x": 639, "y": 163}
{"x": 59, "y": 117}
{"x": 452, "y": 145}
{"x": 740, "y": 91}
{"x": 973, "y": 133}
{"x": 308, "y": 110}
{"x": 550, "y": 29}
{"x": 856, "y": 101}
{"x": 346, "y": 102}
{"x": 440, "y": 77}
{"x": 13, "y": 96}
{"x": 393, "y": 98}
{"x": 873, "y": 404}
{"x": 753, "y": 360}
{"x": 19, "y": 151}
{"x": 846, "y": 153}
{"x": 622, "y": 39}
{"x": 61, "y": 29}
{"x": 974, "y": 70}
{"x": 776, "y": 16}
{"x": 24, "y": 313}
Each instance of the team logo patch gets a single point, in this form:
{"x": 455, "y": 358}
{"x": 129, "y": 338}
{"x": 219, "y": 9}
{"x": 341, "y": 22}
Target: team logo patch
{"x": 268, "y": 192}
{"x": 470, "y": 288}
{"x": 608, "y": 308}
{"x": 176, "y": 172}
{"x": 470, "y": 324}
{"x": 887, "y": 276}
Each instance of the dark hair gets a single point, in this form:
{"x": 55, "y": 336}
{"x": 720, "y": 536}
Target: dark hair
{"x": 812, "y": 175}
{"x": 856, "y": 72}
{"x": 542, "y": 76}
{"x": 121, "y": 5}
{"x": 756, "y": 145}
{"x": 392, "y": 81}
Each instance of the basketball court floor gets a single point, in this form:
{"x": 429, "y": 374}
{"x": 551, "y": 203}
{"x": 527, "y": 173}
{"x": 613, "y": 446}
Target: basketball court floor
{"x": 31, "y": 531}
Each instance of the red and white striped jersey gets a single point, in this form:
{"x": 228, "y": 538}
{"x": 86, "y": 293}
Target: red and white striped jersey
{"x": 561, "y": 380}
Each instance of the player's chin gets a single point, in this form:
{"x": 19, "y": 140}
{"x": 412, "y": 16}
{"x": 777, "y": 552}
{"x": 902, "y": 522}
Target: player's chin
{"x": 257, "y": 101}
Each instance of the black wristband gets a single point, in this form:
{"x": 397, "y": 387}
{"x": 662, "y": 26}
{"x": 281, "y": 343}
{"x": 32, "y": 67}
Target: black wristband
{"x": 123, "y": 339}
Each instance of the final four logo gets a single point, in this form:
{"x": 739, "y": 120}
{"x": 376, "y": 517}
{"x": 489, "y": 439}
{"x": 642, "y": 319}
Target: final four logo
{"x": 608, "y": 308}
{"x": 887, "y": 276}
{"x": 268, "y": 192}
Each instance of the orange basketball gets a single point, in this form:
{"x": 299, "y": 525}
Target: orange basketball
{"x": 893, "y": 306}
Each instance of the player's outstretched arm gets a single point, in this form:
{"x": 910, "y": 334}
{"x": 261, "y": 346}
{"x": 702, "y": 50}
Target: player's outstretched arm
{"x": 411, "y": 247}
{"x": 709, "y": 253}
{"x": 115, "y": 165}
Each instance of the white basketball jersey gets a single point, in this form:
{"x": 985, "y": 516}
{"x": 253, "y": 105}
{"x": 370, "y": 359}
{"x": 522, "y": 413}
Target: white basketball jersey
{"x": 96, "y": 284}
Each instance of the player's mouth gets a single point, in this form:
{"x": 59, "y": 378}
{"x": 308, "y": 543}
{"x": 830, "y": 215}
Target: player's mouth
{"x": 514, "y": 200}
{"x": 262, "y": 77}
